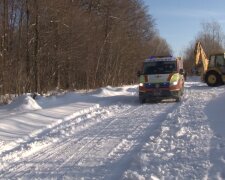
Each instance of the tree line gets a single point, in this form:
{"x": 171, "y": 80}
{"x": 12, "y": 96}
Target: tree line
{"x": 74, "y": 44}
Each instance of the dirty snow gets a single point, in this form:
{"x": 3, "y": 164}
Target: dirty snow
{"x": 107, "y": 134}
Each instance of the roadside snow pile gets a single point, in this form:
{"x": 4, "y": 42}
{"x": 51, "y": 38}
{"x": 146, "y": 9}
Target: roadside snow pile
{"x": 60, "y": 99}
{"x": 215, "y": 112}
{"x": 115, "y": 91}
{"x": 24, "y": 103}
{"x": 217, "y": 107}
{"x": 24, "y": 119}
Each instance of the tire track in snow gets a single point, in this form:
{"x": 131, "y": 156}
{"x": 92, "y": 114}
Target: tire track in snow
{"x": 40, "y": 133}
{"x": 152, "y": 128}
{"x": 19, "y": 152}
{"x": 91, "y": 143}
{"x": 180, "y": 150}
{"x": 127, "y": 143}
{"x": 58, "y": 148}
{"x": 86, "y": 150}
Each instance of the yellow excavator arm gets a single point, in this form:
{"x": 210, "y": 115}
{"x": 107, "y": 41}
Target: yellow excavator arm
{"x": 200, "y": 57}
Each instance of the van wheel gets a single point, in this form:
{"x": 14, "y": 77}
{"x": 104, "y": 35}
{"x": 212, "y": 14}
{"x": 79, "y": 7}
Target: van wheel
{"x": 182, "y": 91}
{"x": 142, "y": 100}
{"x": 178, "y": 99}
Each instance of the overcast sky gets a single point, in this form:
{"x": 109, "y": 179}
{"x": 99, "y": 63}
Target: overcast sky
{"x": 179, "y": 21}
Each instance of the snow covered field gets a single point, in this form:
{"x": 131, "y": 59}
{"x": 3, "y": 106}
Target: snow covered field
{"x": 107, "y": 134}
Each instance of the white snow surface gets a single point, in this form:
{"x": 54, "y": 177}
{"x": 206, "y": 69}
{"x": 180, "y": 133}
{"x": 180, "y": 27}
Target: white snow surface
{"x": 107, "y": 134}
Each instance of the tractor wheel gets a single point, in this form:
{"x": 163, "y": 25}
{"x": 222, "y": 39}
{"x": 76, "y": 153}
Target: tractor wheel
{"x": 213, "y": 79}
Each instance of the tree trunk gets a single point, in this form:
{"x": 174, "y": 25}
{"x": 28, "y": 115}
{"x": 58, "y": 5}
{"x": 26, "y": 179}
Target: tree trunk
{"x": 36, "y": 47}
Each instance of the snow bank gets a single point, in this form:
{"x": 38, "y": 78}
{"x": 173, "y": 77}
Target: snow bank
{"x": 22, "y": 128}
{"x": 216, "y": 107}
{"x": 115, "y": 91}
{"x": 24, "y": 103}
{"x": 215, "y": 113}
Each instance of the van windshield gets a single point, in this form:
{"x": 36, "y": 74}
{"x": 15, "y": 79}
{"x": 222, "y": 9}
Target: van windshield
{"x": 159, "y": 67}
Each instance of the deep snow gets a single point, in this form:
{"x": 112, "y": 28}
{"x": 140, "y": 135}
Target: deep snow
{"x": 107, "y": 134}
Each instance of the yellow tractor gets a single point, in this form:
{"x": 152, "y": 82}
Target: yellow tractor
{"x": 212, "y": 69}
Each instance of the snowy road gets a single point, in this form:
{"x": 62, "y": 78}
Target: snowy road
{"x": 121, "y": 139}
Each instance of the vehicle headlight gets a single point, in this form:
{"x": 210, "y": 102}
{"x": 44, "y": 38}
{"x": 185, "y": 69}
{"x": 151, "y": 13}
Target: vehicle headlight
{"x": 141, "y": 84}
{"x": 174, "y": 83}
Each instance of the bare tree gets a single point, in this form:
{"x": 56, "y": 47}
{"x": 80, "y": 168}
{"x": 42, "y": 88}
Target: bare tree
{"x": 212, "y": 39}
{"x": 74, "y": 44}
{"x": 4, "y": 45}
